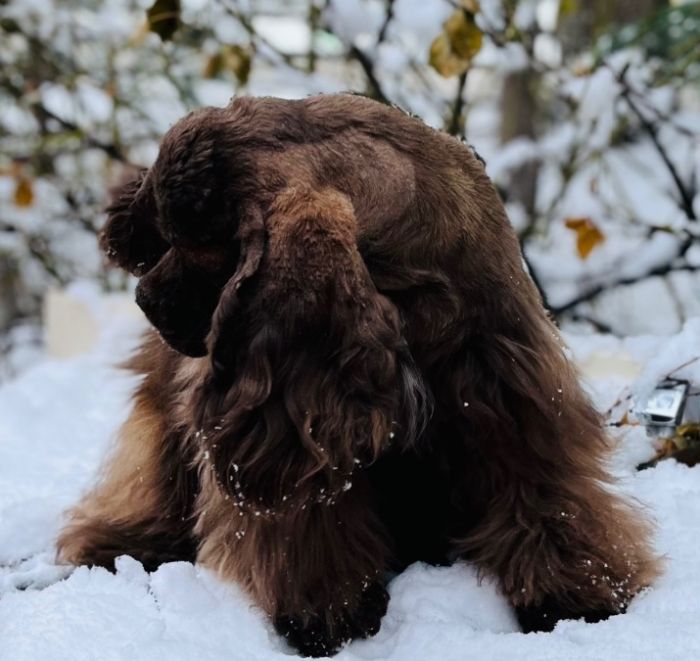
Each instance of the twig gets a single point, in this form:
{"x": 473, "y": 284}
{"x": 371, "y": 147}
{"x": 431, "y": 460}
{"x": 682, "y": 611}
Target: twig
{"x": 663, "y": 269}
{"x": 7, "y": 227}
{"x": 535, "y": 278}
{"x": 621, "y": 282}
{"x": 685, "y": 364}
{"x": 110, "y": 149}
{"x": 254, "y": 35}
{"x": 387, "y": 19}
{"x": 600, "y": 326}
{"x": 375, "y": 87}
{"x": 624, "y": 396}
{"x": 623, "y": 423}
{"x": 686, "y": 195}
{"x": 456, "y": 125}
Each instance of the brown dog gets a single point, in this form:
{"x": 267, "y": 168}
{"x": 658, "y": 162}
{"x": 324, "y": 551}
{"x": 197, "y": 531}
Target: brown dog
{"x": 359, "y": 375}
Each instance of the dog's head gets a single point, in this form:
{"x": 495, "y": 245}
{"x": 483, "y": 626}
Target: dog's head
{"x": 180, "y": 229}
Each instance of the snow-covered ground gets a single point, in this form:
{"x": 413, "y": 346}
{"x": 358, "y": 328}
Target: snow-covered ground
{"x": 56, "y": 422}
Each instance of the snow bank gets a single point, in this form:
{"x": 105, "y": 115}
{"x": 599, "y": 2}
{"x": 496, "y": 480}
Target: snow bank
{"x": 56, "y": 421}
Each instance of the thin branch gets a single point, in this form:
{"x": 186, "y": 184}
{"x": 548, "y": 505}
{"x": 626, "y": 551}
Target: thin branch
{"x": 111, "y": 150}
{"x": 535, "y": 278}
{"x": 456, "y": 124}
{"x": 7, "y": 227}
{"x": 387, "y": 19}
{"x": 680, "y": 367}
{"x": 621, "y": 282}
{"x": 686, "y": 195}
{"x": 600, "y": 327}
{"x": 255, "y": 36}
{"x": 375, "y": 87}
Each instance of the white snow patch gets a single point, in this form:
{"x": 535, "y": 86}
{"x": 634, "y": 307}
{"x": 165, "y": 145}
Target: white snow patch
{"x": 56, "y": 421}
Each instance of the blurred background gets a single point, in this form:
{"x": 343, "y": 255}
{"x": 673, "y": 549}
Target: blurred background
{"x": 587, "y": 113}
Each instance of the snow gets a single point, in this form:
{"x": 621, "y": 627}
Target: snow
{"x": 123, "y": 83}
{"x": 350, "y": 20}
{"x": 56, "y": 421}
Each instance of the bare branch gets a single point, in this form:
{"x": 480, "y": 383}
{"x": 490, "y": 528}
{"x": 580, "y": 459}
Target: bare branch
{"x": 375, "y": 87}
{"x": 112, "y": 150}
{"x": 621, "y": 282}
{"x": 387, "y": 19}
{"x": 685, "y": 193}
{"x": 456, "y": 123}
{"x": 535, "y": 277}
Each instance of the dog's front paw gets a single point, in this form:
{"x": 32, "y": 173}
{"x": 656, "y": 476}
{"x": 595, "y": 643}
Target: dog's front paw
{"x": 544, "y": 616}
{"x": 368, "y": 618}
{"x": 312, "y": 637}
{"x": 323, "y": 636}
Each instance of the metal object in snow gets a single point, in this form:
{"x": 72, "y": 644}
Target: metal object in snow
{"x": 670, "y": 404}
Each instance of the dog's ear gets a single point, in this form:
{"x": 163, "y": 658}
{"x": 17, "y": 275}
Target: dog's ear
{"x": 130, "y": 238}
{"x": 320, "y": 380}
{"x": 227, "y": 321}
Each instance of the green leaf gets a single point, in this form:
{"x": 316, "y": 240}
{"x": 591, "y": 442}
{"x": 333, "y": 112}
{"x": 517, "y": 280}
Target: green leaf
{"x": 568, "y": 7}
{"x": 164, "y": 18}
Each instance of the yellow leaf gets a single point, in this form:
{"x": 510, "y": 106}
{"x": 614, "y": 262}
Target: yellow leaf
{"x": 465, "y": 36}
{"x": 454, "y": 48}
{"x": 24, "y": 193}
{"x": 443, "y": 60}
{"x": 588, "y": 236}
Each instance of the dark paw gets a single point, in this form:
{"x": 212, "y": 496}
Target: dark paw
{"x": 368, "y": 618}
{"x": 544, "y": 617}
{"x": 324, "y": 636}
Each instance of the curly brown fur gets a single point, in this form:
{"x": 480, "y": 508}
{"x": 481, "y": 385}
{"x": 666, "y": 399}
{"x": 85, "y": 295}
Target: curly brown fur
{"x": 143, "y": 503}
{"x": 366, "y": 378}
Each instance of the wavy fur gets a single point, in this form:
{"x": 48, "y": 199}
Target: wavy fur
{"x": 362, "y": 376}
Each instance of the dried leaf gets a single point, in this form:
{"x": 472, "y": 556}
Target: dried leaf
{"x": 24, "y": 193}
{"x": 237, "y": 59}
{"x": 623, "y": 421}
{"x": 588, "y": 236}
{"x": 688, "y": 435}
{"x": 454, "y": 48}
{"x": 683, "y": 446}
{"x": 213, "y": 66}
{"x": 164, "y": 18}
{"x": 140, "y": 34}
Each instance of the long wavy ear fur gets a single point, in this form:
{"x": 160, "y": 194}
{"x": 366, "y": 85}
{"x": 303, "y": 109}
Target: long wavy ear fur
{"x": 321, "y": 379}
{"x": 130, "y": 238}
{"x": 226, "y": 324}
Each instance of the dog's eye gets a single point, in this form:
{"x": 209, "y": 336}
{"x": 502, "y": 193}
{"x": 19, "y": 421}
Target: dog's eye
{"x": 189, "y": 221}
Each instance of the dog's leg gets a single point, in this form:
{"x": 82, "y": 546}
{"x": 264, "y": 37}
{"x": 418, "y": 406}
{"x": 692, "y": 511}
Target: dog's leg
{"x": 316, "y": 568}
{"x": 142, "y": 505}
{"x": 562, "y": 544}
